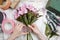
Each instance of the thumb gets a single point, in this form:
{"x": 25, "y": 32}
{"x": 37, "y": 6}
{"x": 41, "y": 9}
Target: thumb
{"x": 30, "y": 26}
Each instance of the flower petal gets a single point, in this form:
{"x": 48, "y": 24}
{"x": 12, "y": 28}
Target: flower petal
{"x": 23, "y": 9}
{"x": 30, "y": 7}
{"x": 20, "y": 13}
{"x": 16, "y": 16}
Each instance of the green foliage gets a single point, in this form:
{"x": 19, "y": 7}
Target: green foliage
{"x": 49, "y": 33}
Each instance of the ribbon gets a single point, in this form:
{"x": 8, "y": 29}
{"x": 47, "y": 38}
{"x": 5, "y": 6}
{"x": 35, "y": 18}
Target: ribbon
{"x": 7, "y": 29}
{"x": 1, "y": 1}
{"x": 6, "y": 5}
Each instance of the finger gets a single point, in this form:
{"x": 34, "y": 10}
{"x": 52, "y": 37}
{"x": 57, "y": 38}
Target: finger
{"x": 20, "y": 23}
{"x": 24, "y": 29}
{"x": 30, "y": 27}
{"x": 20, "y": 27}
{"x": 17, "y": 24}
{"x": 34, "y": 25}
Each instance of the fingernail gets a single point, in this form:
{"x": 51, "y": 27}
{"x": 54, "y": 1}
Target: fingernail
{"x": 28, "y": 25}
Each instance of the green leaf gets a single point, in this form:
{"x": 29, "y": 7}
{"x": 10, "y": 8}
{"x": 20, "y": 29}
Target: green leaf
{"x": 53, "y": 33}
{"x": 49, "y": 33}
{"x": 33, "y": 20}
{"x": 20, "y": 19}
{"x": 48, "y": 30}
{"x": 25, "y": 20}
{"x": 29, "y": 37}
{"x": 29, "y": 17}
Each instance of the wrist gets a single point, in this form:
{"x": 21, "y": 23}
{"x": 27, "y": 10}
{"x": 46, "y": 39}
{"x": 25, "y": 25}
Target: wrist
{"x": 12, "y": 37}
{"x": 41, "y": 36}
{"x": 38, "y": 33}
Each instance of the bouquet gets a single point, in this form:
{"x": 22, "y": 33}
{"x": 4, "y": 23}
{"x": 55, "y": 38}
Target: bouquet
{"x": 27, "y": 14}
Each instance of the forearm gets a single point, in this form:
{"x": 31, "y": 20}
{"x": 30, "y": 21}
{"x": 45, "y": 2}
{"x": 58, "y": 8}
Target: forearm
{"x": 41, "y": 36}
{"x": 12, "y": 37}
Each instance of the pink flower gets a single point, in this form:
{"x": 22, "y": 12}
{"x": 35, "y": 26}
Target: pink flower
{"x": 30, "y": 7}
{"x": 23, "y": 9}
{"x": 19, "y": 8}
{"x": 20, "y": 13}
{"x": 16, "y": 16}
{"x": 15, "y": 11}
{"x": 24, "y": 5}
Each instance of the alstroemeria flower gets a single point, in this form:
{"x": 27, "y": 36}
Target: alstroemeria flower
{"x": 15, "y": 14}
{"x": 20, "y": 13}
{"x": 30, "y": 7}
{"x": 23, "y": 9}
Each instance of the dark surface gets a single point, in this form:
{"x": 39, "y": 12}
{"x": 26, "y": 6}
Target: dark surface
{"x": 54, "y": 6}
{"x": 1, "y": 17}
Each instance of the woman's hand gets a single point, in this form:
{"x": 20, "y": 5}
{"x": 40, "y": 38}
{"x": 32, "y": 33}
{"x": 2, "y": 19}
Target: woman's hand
{"x": 35, "y": 30}
{"x": 19, "y": 30}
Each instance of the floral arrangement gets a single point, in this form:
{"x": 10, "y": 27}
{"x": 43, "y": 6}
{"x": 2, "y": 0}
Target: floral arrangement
{"x": 27, "y": 14}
